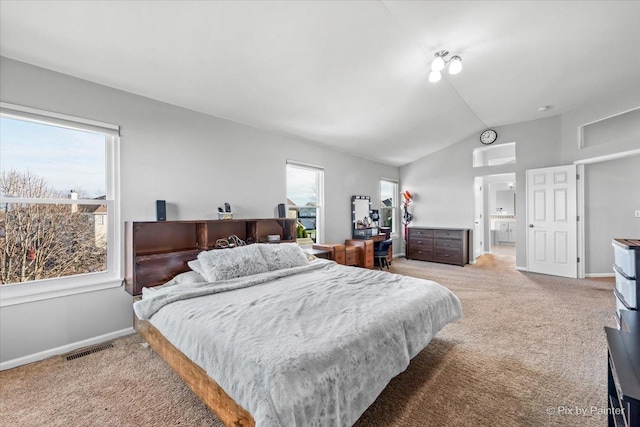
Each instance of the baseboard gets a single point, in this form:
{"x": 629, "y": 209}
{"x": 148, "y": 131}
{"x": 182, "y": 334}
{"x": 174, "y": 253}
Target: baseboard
{"x": 521, "y": 268}
{"x": 64, "y": 349}
{"x": 600, "y": 275}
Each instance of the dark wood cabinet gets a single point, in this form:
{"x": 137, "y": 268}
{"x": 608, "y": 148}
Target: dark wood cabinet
{"x": 623, "y": 375}
{"x": 444, "y": 245}
{"x": 152, "y": 249}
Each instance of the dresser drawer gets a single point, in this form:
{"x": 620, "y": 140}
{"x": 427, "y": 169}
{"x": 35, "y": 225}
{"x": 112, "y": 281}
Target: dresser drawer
{"x": 421, "y": 254}
{"x": 448, "y": 244}
{"x": 626, "y": 257}
{"x": 421, "y": 243}
{"x": 351, "y": 258}
{"x": 627, "y": 290}
{"x": 449, "y": 256}
{"x": 448, "y": 234}
{"x": 420, "y": 232}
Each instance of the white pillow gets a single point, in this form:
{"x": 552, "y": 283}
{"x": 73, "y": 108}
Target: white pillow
{"x": 186, "y": 278}
{"x": 224, "y": 264}
{"x": 195, "y": 266}
{"x": 283, "y": 255}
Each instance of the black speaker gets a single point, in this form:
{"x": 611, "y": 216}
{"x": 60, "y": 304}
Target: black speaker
{"x": 281, "y": 211}
{"x": 161, "y": 210}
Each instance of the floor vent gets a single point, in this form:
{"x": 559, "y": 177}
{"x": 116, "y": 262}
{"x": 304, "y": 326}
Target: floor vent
{"x": 88, "y": 350}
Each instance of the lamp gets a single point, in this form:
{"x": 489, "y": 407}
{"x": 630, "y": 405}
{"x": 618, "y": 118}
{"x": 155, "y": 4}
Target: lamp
{"x": 440, "y": 61}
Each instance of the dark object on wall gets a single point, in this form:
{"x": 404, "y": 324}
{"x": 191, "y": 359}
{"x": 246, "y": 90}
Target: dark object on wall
{"x": 161, "y": 210}
{"x": 281, "y": 211}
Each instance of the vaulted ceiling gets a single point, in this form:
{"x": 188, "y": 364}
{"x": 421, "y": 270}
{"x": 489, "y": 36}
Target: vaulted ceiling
{"x": 351, "y": 75}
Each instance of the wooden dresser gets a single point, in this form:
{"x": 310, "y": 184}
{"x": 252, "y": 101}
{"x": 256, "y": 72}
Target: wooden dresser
{"x": 363, "y": 252}
{"x": 445, "y": 245}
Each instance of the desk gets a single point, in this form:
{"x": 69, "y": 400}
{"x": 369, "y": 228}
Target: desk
{"x": 365, "y": 251}
{"x": 319, "y": 253}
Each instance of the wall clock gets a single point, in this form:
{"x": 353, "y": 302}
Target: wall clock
{"x": 488, "y": 136}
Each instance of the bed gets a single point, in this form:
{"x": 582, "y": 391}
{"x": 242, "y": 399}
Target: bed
{"x": 285, "y": 341}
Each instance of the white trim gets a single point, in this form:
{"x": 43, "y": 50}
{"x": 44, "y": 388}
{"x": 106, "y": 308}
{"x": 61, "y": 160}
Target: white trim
{"x": 27, "y": 113}
{"x": 606, "y": 157}
{"x": 521, "y": 268}
{"x": 600, "y": 275}
{"x": 64, "y": 349}
{"x": 97, "y": 202}
{"x": 295, "y": 163}
{"x": 581, "y": 223}
{"x": 580, "y": 194}
{"x": 582, "y": 126}
{"x": 38, "y": 290}
{"x": 20, "y": 293}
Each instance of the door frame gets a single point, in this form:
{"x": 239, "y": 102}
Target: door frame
{"x": 580, "y": 193}
{"x": 486, "y": 220}
{"x": 479, "y": 233}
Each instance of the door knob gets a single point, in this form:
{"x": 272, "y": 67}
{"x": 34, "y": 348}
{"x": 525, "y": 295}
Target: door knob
{"x": 530, "y": 225}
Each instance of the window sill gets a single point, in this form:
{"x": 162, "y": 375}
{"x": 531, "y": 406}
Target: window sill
{"x": 21, "y": 293}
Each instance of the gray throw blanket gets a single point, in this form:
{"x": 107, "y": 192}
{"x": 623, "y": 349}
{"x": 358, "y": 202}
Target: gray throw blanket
{"x": 307, "y": 346}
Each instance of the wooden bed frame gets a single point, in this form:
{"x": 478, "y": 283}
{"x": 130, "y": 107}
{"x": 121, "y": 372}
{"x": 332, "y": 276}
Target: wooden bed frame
{"x": 154, "y": 253}
{"x": 229, "y": 412}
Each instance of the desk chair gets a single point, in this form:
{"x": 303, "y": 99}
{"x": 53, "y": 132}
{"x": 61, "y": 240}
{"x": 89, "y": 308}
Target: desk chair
{"x": 381, "y": 253}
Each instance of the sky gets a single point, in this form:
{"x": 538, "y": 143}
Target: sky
{"x": 67, "y": 159}
{"x": 300, "y": 186}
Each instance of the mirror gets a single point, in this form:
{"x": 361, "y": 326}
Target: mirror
{"x": 362, "y": 223}
{"x": 360, "y": 210}
{"x": 506, "y": 202}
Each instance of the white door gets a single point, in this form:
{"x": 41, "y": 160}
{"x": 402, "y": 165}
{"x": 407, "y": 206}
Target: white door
{"x": 551, "y": 221}
{"x": 478, "y": 229}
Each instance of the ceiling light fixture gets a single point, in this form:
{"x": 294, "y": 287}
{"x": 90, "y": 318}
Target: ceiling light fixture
{"x": 440, "y": 61}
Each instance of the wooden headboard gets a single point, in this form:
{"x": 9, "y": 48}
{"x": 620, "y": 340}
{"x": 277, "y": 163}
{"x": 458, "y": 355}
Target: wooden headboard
{"x": 156, "y": 251}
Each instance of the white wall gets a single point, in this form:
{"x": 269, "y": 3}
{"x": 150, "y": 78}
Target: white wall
{"x": 194, "y": 161}
{"x": 443, "y": 181}
{"x": 612, "y": 195}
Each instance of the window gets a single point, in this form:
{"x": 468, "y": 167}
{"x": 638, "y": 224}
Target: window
{"x": 58, "y": 213}
{"x": 389, "y": 205}
{"x": 305, "y": 194}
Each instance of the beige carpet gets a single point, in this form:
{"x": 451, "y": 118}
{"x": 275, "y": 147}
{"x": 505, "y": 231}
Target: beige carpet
{"x": 527, "y": 343}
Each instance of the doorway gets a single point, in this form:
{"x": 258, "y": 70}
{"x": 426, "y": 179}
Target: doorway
{"x": 495, "y": 215}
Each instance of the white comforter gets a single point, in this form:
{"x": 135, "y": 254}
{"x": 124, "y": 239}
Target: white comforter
{"x": 314, "y": 347}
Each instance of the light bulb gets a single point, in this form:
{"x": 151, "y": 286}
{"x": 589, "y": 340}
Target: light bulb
{"x": 434, "y": 76}
{"x": 456, "y": 65}
{"x": 438, "y": 63}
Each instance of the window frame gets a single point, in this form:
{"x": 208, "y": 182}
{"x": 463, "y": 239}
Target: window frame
{"x": 35, "y": 290}
{"x": 319, "y": 170}
{"x": 394, "y": 206}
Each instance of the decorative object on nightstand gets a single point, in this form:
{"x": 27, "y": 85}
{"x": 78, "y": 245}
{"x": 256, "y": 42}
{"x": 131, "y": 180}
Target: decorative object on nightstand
{"x": 226, "y": 212}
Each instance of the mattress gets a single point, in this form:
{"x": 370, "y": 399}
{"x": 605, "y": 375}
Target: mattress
{"x": 312, "y": 345}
